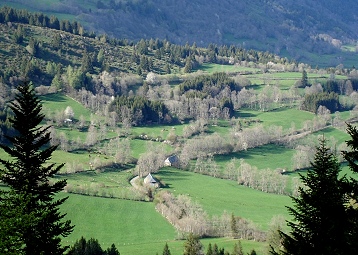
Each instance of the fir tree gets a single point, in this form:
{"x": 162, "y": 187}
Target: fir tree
{"x": 237, "y": 249}
{"x": 31, "y": 194}
{"x": 304, "y": 79}
{"x": 188, "y": 65}
{"x": 234, "y": 231}
{"x": 114, "y": 251}
{"x": 352, "y": 187}
{"x": 253, "y": 252}
{"x": 166, "y": 250}
{"x": 320, "y": 221}
{"x": 192, "y": 245}
{"x": 209, "y": 250}
{"x": 215, "y": 249}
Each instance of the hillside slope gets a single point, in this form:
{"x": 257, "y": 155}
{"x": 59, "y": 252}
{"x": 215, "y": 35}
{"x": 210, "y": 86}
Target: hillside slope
{"x": 289, "y": 28}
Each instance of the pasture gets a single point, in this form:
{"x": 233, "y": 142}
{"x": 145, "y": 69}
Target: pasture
{"x": 122, "y": 222}
{"x": 53, "y": 103}
{"x": 281, "y": 117}
{"x": 218, "y": 196}
{"x": 215, "y": 68}
{"x": 135, "y": 227}
{"x": 270, "y": 156}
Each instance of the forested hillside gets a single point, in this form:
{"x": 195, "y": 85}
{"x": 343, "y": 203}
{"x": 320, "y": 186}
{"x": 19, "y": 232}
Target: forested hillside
{"x": 296, "y": 29}
{"x": 238, "y": 124}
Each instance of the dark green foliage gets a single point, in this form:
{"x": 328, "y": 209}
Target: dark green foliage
{"x": 12, "y": 206}
{"x": 86, "y": 63}
{"x": 5, "y": 126}
{"x": 8, "y": 14}
{"x": 145, "y": 63}
{"x": 352, "y": 188}
{"x": 209, "y": 84}
{"x": 159, "y": 56}
{"x": 215, "y": 250}
{"x": 320, "y": 223}
{"x": 167, "y": 69}
{"x": 253, "y": 252}
{"x": 330, "y": 86}
{"x": 188, "y": 65}
{"x": 166, "y": 250}
{"x": 352, "y": 155}
{"x": 33, "y": 47}
{"x": 192, "y": 245}
{"x": 209, "y": 251}
{"x": 311, "y": 102}
{"x": 304, "y": 80}
{"x": 234, "y": 231}
{"x": 113, "y": 250}
{"x": 142, "y": 109}
{"x": 91, "y": 247}
{"x": 237, "y": 249}
{"x": 56, "y": 41}
{"x": 19, "y": 35}
{"x": 31, "y": 193}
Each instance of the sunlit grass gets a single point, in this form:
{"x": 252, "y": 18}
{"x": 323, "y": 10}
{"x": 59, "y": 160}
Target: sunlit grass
{"x": 218, "y": 196}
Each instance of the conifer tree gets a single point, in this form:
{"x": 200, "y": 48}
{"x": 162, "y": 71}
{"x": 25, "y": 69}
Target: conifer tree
{"x": 320, "y": 220}
{"x": 237, "y": 249}
{"x": 192, "y": 245}
{"x": 352, "y": 188}
{"x": 166, "y": 250}
{"x": 209, "y": 250}
{"x": 304, "y": 79}
{"x": 114, "y": 251}
{"x": 31, "y": 192}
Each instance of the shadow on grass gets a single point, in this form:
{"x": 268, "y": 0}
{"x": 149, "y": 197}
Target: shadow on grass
{"x": 280, "y": 109}
{"x": 118, "y": 167}
{"x": 244, "y": 115}
{"x": 168, "y": 175}
{"x": 265, "y": 150}
{"x": 57, "y": 97}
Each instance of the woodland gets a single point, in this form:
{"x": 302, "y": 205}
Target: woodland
{"x": 320, "y": 33}
{"x": 240, "y": 121}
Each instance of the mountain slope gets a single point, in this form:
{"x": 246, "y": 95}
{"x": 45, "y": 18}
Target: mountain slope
{"x": 286, "y": 27}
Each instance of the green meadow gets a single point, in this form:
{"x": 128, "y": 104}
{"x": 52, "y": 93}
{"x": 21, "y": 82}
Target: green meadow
{"x": 215, "y": 68}
{"x": 53, "y": 103}
{"x": 218, "y": 196}
{"x": 122, "y": 222}
{"x": 282, "y": 117}
{"x": 270, "y": 156}
{"x": 135, "y": 227}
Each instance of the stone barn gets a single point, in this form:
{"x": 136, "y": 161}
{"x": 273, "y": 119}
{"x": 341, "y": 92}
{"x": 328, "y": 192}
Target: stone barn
{"x": 172, "y": 161}
{"x": 150, "y": 180}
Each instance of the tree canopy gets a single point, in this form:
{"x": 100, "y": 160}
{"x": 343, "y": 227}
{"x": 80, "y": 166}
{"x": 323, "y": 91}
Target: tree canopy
{"x": 31, "y": 192}
{"x": 320, "y": 223}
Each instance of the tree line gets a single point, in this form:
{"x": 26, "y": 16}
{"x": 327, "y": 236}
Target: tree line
{"x": 139, "y": 110}
{"x": 313, "y": 230}
{"x": 189, "y": 217}
{"x": 8, "y": 14}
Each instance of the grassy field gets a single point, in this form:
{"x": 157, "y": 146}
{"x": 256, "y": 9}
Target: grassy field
{"x": 134, "y": 227}
{"x": 217, "y": 196}
{"x": 122, "y": 222}
{"x": 214, "y": 68}
{"x": 58, "y": 102}
{"x": 268, "y": 156}
{"x": 279, "y": 117}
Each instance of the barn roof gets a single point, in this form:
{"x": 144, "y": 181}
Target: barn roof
{"x": 149, "y": 179}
